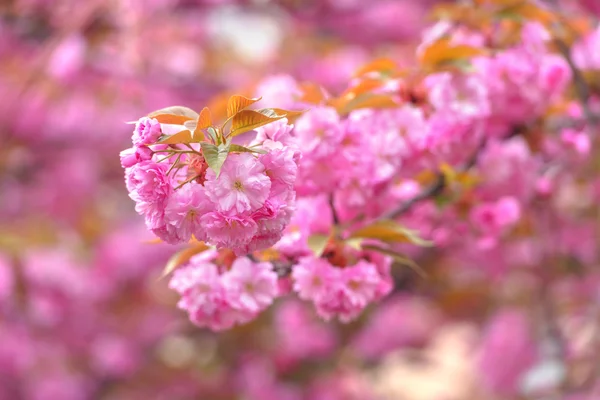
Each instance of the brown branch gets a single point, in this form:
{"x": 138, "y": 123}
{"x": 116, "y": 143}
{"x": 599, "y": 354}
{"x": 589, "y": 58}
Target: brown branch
{"x": 581, "y": 87}
{"x": 436, "y": 187}
{"x": 433, "y": 190}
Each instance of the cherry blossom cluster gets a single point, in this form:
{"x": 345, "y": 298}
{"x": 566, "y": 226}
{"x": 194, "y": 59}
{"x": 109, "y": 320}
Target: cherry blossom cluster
{"x": 245, "y": 208}
{"x": 219, "y": 298}
{"x": 341, "y": 292}
{"x": 358, "y": 166}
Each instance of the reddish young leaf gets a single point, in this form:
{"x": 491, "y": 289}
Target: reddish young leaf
{"x": 443, "y": 51}
{"x": 183, "y": 256}
{"x": 247, "y": 120}
{"x": 311, "y": 93}
{"x": 237, "y": 103}
{"x": 174, "y": 115}
{"x": 204, "y": 121}
{"x": 172, "y": 119}
{"x": 184, "y": 136}
{"x": 381, "y": 65}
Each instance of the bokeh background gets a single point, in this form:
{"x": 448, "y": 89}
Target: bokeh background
{"x": 83, "y": 313}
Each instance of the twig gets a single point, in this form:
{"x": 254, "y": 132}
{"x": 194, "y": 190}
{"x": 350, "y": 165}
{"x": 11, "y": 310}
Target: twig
{"x": 336, "y": 219}
{"x": 581, "y": 87}
{"x": 434, "y": 189}
{"x": 174, "y": 164}
{"x": 186, "y": 181}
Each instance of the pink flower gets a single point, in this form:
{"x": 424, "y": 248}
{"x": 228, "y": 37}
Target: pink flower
{"x": 150, "y": 188}
{"x": 134, "y": 155}
{"x": 312, "y": 215}
{"x": 281, "y": 168}
{"x": 300, "y": 335}
{"x": 241, "y": 186}
{"x": 508, "y": 338}
{"x": 219, "y": 301}
{"x": 399, "y": 322}
{"x": 114, "y": 356}
{"x": 585, "y": 54}
{"x": 6, "y": 280}
{"x": 494, "y": 218}
{"x": 278, "y": 131}
{"x": 185, "y": 208}
{"x": 255, "y": 283}
{"x": 338, "y": 292}
{"x": 147, "y": 182}
{"x": 318, "y": 131}
{"x": 313, "y": 277}
{"x": 232, "y": 232}
{"x": 351, "y": 294}
{"x": 279, "y": 91}
{"x": 271, "y": 221}
{"x": 460, "y": 94}
{"x": 202, "y": 295}
{"x": 580, "y": 141}
{"x": 166, "y": 232}
{"x": 362, "y": 280}
{"x": 147, "y": 131}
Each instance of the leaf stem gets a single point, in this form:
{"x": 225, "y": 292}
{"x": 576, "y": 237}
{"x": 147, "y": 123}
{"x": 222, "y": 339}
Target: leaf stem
{"x": 174, "y": 164}
{"x": 186, "y": 181}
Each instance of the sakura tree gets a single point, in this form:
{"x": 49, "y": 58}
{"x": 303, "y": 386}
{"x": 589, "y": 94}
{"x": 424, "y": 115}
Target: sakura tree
{"x": 360, "y": 207}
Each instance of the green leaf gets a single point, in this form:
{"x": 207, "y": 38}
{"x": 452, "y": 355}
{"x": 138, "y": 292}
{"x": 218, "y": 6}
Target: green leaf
{"x": 317, "y": 243}
{"x": 242, "y": 149}
{"x": 183, "y": 256}
{"x": 391, "y": 232}
{"x": 212, "y": 133}
{"x": 184, "y": 136}
{"x": 247, "y": 120}
{"x": 215, "y": 156}
{"x": 237, "y": 103}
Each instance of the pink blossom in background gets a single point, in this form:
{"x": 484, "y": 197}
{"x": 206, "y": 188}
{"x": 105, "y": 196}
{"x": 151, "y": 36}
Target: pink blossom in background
{"x": 508, "y": 337}
{"x": 482, "y": 168}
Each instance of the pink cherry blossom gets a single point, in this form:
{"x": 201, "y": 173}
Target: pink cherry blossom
{"x": 184, "y": 211}
{"x": 134, "y": 155}
{"x": 507, "y": 337}
{"x": 147, "y": 131}
{"x": 232, "y": 232}
{"x": 313, "y": 276}
{"x": 256, "y": 284}
{"x": 241, "y": 186}
{"x": 281, "y": 168}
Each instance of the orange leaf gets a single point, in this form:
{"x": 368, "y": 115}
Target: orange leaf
{"x": 381, "y": 65}
{"x": 365, "y": 101}
{"x": 532, "y": 12}
{"x": 179, "y": 111}
{"x": 288, "y": 113}
{"x": 442, "y": 51}
{"x": 183, "y": 256}
{"x": 237, "y": 103}
{"x": 204, "y": 121}
{"x": 172, "y": 119}
{"x": 311, "y": 93}
{"x": 391, "y": 232}
{"x": 184, "y": 136}
{"x": 364, "y": 86}
{"x": 247, "y": 120}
